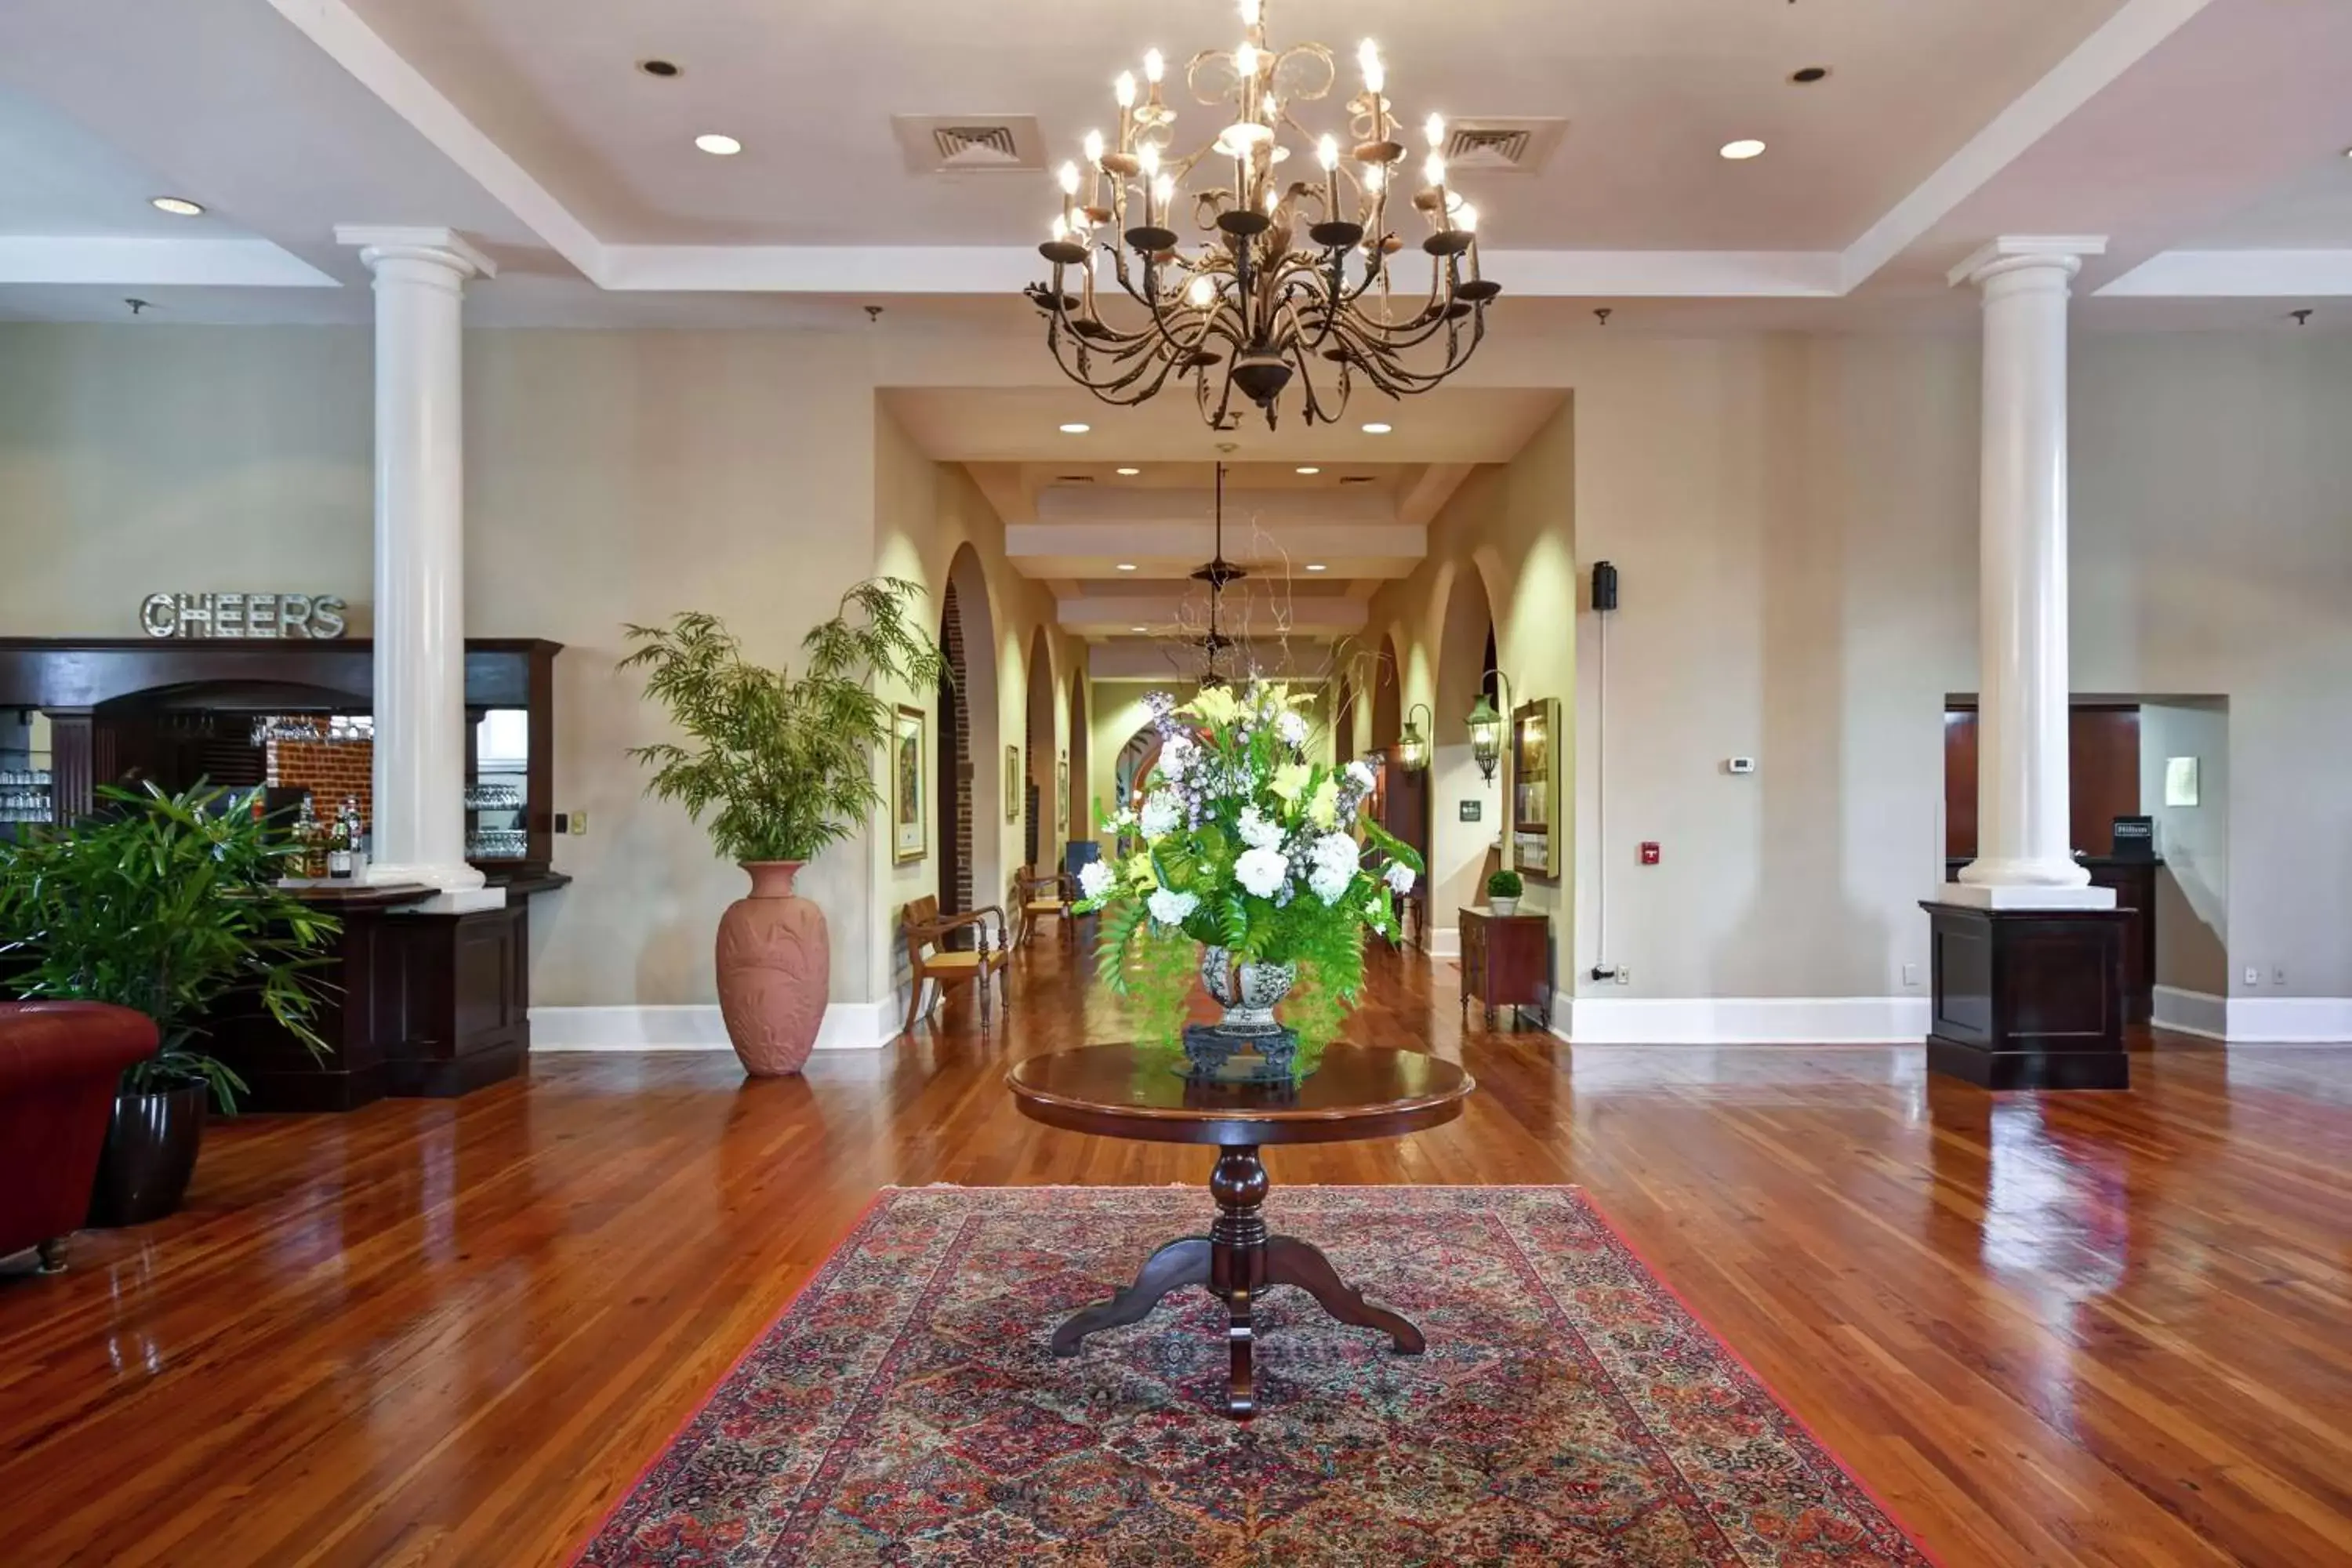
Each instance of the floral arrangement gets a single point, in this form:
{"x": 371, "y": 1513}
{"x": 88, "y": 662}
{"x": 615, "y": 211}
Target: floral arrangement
{"x": 1243, "y": 846}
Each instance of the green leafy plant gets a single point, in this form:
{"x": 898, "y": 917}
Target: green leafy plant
{"x": 168, "y": 904}
{"x": 782, "y": 764}
{"x": 1246, "y": 845}
{"x": 1505, "y": 885}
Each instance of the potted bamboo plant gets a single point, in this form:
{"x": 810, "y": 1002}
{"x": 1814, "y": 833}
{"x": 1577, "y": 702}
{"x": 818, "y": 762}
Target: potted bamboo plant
{"x": 167, "y": 904}
{"x": 782, "y": 765}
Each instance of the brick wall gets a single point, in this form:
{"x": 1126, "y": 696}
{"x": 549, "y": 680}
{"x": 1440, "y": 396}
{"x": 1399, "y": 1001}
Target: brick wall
{"x": 329, "y": 771}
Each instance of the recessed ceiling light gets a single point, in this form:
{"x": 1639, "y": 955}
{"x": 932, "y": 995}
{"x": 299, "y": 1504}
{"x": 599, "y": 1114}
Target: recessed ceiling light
{"x": 716, "y": 145}
{"x": 1129, "y": 473}
{"x": 178, "y": 206}
{"x": 663, "y": 68}
{"x": 1075, "y": 428}
{"x": 1376, "y": 429}
{"x": 1746, "y": 147}
{"x": 1127, "y": 566}
{"x": 1809, "y": 75}
{"x": 1316, "y": 566}
{"x": 1138, "y": 628}
{"x": 1310, "y": 469}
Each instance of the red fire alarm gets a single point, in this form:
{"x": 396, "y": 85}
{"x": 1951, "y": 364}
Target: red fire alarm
{"x": 1649, "y": 854}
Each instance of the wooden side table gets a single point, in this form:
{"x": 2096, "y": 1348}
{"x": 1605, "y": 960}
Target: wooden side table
{"x": 1506, "y": 962}
{"x": 1359, "y": 1091}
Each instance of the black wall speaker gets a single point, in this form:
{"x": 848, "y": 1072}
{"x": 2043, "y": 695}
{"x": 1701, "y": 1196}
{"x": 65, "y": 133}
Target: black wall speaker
{"x": 1604, "y": 585}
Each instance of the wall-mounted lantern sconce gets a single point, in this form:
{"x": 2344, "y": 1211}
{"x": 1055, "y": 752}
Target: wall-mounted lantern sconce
{"x": 1486, "y": 729}
{"x": 1413, "y": 746}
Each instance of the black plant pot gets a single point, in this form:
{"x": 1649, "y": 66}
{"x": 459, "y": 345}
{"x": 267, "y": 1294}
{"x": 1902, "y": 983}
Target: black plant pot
{"x": 151, "y": 1152}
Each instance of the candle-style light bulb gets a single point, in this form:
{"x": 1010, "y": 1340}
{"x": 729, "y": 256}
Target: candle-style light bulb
{"x": 1466, "y": 218}
{"x": 1069, "y": 178}
{"x": 1155, "y": 66}
{"x": 1246, "y": 60}
{"x": 1094, "y": 146}
{"x": 1252, "y": 10}
{"x": 1061, "y": 226}
{"x": 1165, "y": 189}
{"x": 1147, "y": 157}
{"x": 1433, "y": 171}
{"x": 1368, "y": 59}
{"x": 1201, "y": 291}
{"x": 1327, "y": 152}
{"x": 1123, "y": 90}
{"x": 1273, "y": 198}
{"x": 1434, "y": 130}
{"x": 1375, "y": 176}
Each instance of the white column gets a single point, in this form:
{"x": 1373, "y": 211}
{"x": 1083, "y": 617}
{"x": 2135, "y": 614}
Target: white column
{"x": 2024, "y": 857}
{"x": 419, "y": 817}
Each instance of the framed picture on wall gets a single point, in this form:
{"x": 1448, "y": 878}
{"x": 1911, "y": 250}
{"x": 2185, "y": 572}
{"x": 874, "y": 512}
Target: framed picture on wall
{"x": 1014, "y": 791}
{"x": 909, "y": 839}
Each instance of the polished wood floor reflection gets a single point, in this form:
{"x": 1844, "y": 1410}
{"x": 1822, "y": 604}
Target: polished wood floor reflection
{"x": 2100, "y": 1329}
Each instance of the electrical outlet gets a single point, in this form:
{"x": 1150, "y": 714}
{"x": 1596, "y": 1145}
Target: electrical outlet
{"x": 579, "y": 823}
{"x": 2278, "y": 974}
{"x": 1910, "y": 974}
{"x": 1624, "y": 975}
{"x": 2253, "y": 975}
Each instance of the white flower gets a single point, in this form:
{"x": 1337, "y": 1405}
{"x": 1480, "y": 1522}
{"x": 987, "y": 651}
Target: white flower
{"x": 1261, "y": 870}
{"x": 1162, "y": 814}
{"x": 1171, "y": 908}
{"x": 1362, "y": 771}
{"x": 1257, "y": 832}
{"x": 1175, "y": 756}
{"x": 1399, "y": 876}
{"x": 1292, "y": 728}
{"x": 1095, "y": 879}
{"x": 1334, "y": 855}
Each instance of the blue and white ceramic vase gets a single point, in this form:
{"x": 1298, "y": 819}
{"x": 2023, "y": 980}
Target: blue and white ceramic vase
{"x": 1249, "y": 1044}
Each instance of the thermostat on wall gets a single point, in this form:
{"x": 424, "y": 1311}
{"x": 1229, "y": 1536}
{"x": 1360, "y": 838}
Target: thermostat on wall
{"x": 1740, "y": 764}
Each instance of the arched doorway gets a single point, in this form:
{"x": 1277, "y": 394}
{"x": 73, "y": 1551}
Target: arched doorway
{"x": 1399, "y": 798}
{"x": 1461, "y": 854}
{"x": 1038, "y": 803}
{"x": 964, "y": 740}
{"x": 1387, "y": 716}
{"x": 1082, "y": 823}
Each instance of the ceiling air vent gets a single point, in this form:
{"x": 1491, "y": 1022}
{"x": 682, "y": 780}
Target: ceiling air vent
{"x": 1369, "y": 478}
{"x": 969, "y": 143}
{"x": 1503, "y": 146}
{"x": 1074, "y": 478}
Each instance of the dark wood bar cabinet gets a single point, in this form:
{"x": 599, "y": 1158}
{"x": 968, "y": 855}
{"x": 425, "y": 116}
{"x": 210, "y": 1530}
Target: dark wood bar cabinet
{"x": 2028, "y": 998}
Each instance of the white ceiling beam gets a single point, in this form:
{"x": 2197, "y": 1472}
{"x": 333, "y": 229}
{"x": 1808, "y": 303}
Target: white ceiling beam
{"x": 2094, "y": 65}
{"x": 133, "y": 262}
{"x": 2236, "y": 275}
{"x": 1169, "y": 663}
{"x": 1431, "y": 488}
{"x": 1031, "y": 546}
{"x": 1150, "y": 507}
{"x": 378, "y": 67}
{"x": 1106, "y": 614}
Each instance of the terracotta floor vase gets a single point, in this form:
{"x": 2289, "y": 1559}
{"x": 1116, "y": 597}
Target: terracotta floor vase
{"x": 776, "y": 962}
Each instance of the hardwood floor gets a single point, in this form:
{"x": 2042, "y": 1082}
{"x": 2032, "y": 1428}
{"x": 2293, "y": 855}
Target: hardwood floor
{"x": 2100, "y": 1329}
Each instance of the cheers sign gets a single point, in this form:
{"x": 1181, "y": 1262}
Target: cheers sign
{"x": 262, "y": 615}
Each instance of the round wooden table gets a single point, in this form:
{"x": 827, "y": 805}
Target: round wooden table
{"x": 1359, "y": 1091}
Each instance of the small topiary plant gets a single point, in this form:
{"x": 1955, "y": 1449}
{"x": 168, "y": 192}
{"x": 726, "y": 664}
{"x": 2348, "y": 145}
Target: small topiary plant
{"x": 1505, "y": 885}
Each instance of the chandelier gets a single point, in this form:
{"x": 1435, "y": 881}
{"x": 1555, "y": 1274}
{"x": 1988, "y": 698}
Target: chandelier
{"x": 1291, "y": 278}
{"x": 1217, "y": 572}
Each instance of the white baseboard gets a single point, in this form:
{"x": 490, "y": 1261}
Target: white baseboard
{"x": 1444, "y": 941}
{"x": 2197, "y": 1013}
{"x": 1741, "y": 1020}
{"x": 2290, "y": 1020}
{"x": 849, "y": 1026}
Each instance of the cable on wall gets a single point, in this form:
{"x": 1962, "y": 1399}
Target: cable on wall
{"x": 1604, "y": 603}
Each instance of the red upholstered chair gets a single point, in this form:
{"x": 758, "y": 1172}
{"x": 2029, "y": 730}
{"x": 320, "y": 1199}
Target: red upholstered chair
{"x": 60, "y": 1062}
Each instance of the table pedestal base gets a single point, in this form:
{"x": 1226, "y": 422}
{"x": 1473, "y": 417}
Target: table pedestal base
{"x": 1238, "y": 1261}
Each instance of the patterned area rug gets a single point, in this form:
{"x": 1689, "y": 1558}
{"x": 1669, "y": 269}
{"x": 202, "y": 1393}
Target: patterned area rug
{"x": 904, "y": 1409}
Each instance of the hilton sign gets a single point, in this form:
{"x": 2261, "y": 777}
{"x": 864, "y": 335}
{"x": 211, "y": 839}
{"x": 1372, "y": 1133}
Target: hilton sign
{"x": 263, "y": 617}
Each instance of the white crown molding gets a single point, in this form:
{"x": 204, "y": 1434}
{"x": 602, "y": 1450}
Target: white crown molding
{"x": 2236, "y": 275}
{"x": 150, "y": 263}
{"x": 2096, "y": 64}
{"x": 849, "y": 1026}
{"x": 354, "y": 46}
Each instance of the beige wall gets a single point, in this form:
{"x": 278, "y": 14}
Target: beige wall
{"x": 2193, "y": 888}
{"x": 1794, "y": 518}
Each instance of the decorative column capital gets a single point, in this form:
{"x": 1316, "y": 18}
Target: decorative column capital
{"x": 2059, "y": 253}
{"x": 432, "y": 247}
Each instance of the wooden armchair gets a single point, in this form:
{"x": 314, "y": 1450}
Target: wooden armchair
{"x": 1042, "y": 895}
{"x": 928, "y": 960}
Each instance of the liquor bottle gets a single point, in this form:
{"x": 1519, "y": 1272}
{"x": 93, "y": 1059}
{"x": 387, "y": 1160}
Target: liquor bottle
{"x": 339, "y": 844}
